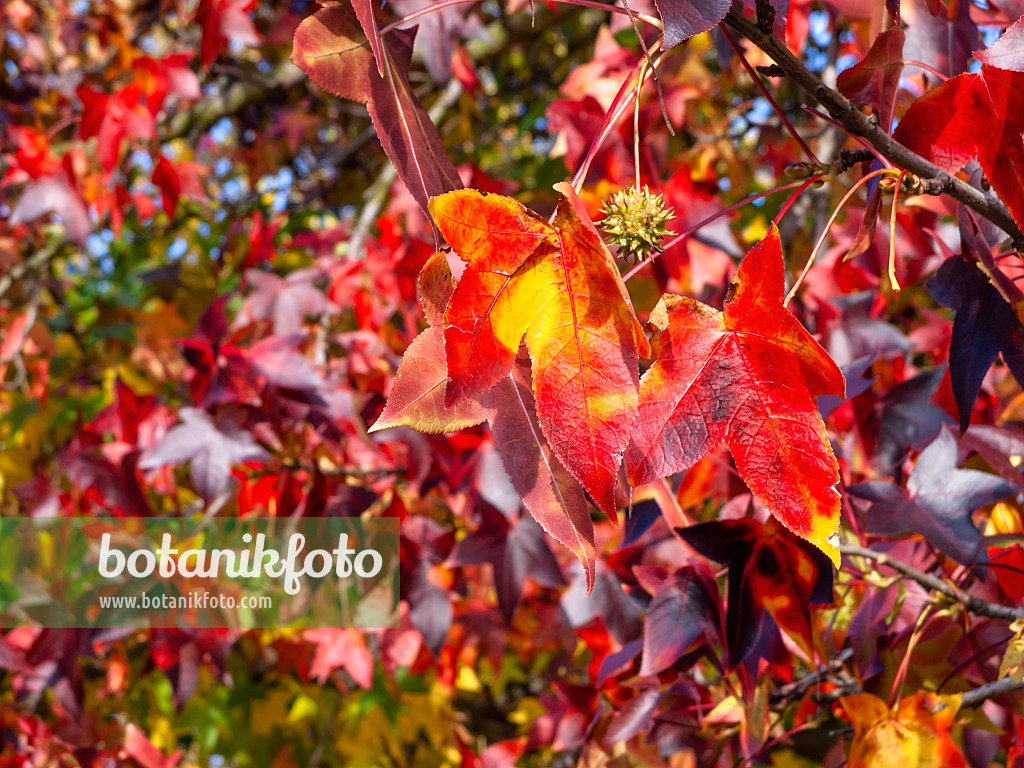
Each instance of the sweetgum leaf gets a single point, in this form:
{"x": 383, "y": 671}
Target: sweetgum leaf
{"x": 332, "y": 48}
{"x": 211, "y": 448}
{"x": 681, "y": 613}
{"x": 1008, "y": 52}
{"x": 984, "y": 326}
{"x": 559, "y": 285}
{"x": 915, "y": 732}
{"x": 748, "y": 378}
{"x": 973, "y": 116}
{"x": 769, "y": 569}
{"x": 514, "y": 551}
{"x": 937, "y": 502}
{"x": 685, "y": 18}
{"x": 875, "y": 79}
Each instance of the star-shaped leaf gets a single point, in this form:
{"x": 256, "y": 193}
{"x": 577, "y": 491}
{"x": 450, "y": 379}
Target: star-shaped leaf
{"x": 984, "y": 326}
{"x": 973, "y": 116}
{"x": 559, "y": 285}
{"x": 211, "y": 448}
{"x": 747, "y": 377}
{"x": 937, "y": 502}
{"x": 769, "y": 569}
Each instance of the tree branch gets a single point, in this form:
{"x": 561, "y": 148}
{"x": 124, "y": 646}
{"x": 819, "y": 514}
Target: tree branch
{"x": 973, "y": 604}
{"x": 936, "y": 180}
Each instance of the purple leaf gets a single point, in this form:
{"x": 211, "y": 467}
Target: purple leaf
{"x": 210, "y": 448}
{"x": 984, "y": 326}
{"x": 680, "y": 614}
{"x": 937, "y": 502}
{"x": 944, "y": 40}
{"x": 685, "y": 18}
{"x": 288, "y": 301}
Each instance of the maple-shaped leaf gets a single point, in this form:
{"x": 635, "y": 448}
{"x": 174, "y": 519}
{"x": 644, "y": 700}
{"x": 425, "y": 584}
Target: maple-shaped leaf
{"x": 746, "y": 377}
{"x": 551, "y": 494}
{"x": 341, "y": 648}
{"x": 514, "y": 551}
{"x": 559, "y": 285}
{"x": 904, "y": 419}
{"x": 875, "y": 79}
{"x": 937, "y": 502}
{"x": 984, "y": 326}
{"x": 973, "y": 116}
{"x": 211, "y": 448}
{"x": 913, "y": 734}
{"x": 286, "y": 300}
{"x": 332, "y": 48}
{"x": 769, "y": 569}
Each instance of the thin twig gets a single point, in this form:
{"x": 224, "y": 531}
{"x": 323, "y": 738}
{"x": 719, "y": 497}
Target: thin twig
{"x": 859, "y": 124}
{"x": 975, "y": 605}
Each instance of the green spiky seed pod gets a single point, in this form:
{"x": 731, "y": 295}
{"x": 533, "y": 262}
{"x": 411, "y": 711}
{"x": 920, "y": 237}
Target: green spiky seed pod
{"x": 635, "y": 220}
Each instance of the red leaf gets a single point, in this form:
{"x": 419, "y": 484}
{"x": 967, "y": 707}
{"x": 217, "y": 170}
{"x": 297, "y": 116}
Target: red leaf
{"x": 138, "y": 747}
{"x": 223, "y": 20}
{"x": 875, "y": 79}
{"x": 747, "y": 378}
{"x": 550, "y": 493}
{"x": 333, "y": 50}
{"x": 559, "y": 284}
{"x": 973, "y": 116}
{"x": 341, "y": 648}
{"x": 165, "y": 177}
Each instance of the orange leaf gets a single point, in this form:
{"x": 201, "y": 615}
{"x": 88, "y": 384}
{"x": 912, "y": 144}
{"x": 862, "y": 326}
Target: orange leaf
{"x": 558, "y": 284}
{"x": 747, "y": 378}
{"x": 915, "y": 734}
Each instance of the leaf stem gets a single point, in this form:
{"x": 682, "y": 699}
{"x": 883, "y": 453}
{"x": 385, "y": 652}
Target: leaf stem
{"x": 828, "y": 226}
{"x": 794, "y": 196}
{"x": 926, "y": 67}
{"x": 764, "y": 92}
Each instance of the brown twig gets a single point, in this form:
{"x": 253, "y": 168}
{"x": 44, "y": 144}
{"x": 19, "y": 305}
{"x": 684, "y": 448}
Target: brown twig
{"x": 936, "y": 181}
{"x": 971, "y": 603}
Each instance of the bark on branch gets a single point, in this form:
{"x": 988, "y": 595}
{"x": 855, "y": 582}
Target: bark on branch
{"x": 856, "y": 122}
{"x": 975, "y": 605}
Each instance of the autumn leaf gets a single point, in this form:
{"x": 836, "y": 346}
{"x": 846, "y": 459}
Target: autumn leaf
{"x": 332, "y": 49}
{"x": 748, "y": 378}
{"x": 875, "y": 79}
{"x": 973, "y": 116}
{"x": 769, "y": 570}
{"x": 984, "y": 326}
{"x": 559, "y": 285}
{"x": 913, "y": 734}
{"x": 685, "y": 18}
{"x": 937, "y": 503}
{"x": 210, "y": 447}
{"x": 551, "y": 494}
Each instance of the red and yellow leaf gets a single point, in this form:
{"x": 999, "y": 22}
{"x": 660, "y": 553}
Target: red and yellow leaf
{"x": 559, "y": 285}
{"x": 746, "y": 377}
